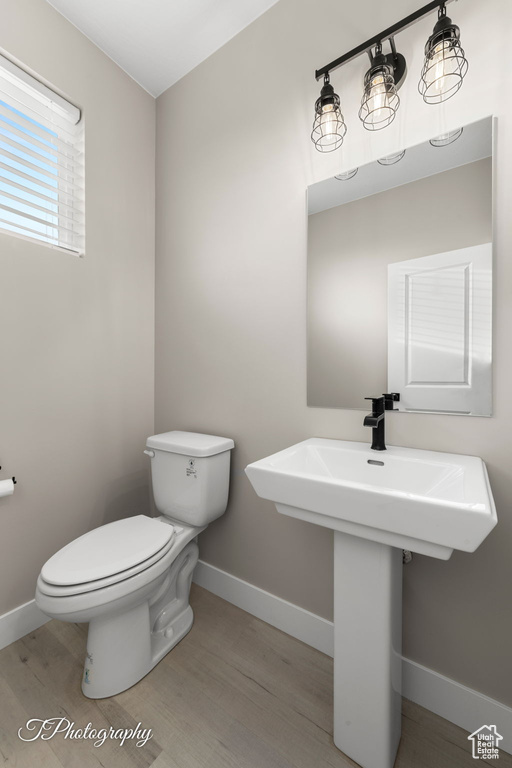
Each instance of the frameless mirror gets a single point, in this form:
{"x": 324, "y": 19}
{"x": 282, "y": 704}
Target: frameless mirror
{"x": 400, "y": 279}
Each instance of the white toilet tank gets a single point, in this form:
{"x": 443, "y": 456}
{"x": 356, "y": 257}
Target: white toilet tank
{"x": 190, "y": 475}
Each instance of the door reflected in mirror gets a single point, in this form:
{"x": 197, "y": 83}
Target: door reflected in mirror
{"x": 400, "y": 280}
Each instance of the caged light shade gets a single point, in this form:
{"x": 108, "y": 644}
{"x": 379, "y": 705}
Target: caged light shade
{"x": 445, "y": 64}
{"x": 346, "y": 175}
{"x": 392, "y": 159}
{"x": 446, "y": 138}
{"x": 380, "y": 98}
{"x": 329, "y": 127}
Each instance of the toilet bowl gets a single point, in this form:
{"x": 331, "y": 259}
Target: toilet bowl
{"x": 131, "y": 579}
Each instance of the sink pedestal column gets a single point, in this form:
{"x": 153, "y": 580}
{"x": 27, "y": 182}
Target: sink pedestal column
{"x": 367, "y": 650}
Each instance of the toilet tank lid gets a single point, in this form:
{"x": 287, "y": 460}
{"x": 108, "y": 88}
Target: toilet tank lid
{"x": 190, "y": 443}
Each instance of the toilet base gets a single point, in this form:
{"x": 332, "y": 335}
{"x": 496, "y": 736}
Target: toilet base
{"x": 122, "y": 649}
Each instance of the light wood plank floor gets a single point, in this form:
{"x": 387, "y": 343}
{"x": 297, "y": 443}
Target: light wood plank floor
{"x": 235, "y": 693}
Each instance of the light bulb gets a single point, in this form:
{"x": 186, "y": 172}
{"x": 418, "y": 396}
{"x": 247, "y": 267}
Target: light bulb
{"x": 440, "y": 66}
{"x": 378, "y": 100}
{"x": 328, "y": 120}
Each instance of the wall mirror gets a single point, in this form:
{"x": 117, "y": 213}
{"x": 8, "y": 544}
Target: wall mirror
{"x": 400, "y": 279}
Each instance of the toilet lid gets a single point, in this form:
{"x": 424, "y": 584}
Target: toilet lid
{"x": 107, "y": 550}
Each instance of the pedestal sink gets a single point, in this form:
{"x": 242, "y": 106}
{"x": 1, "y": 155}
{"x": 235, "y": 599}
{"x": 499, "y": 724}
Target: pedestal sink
{"x": 377, "y": 504}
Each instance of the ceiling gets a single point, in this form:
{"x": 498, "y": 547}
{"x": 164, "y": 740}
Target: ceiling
{"x": 158, "y": 41}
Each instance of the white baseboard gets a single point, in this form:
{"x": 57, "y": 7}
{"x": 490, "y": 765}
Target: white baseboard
{"x": 295, "y": 621}
{"x": 463, "y": 706}
{"x": 20, "y": 621}
{"x": 455, "y": 702}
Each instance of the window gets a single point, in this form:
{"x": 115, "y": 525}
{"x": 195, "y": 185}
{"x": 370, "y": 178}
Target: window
{"x": 41, "y": 162}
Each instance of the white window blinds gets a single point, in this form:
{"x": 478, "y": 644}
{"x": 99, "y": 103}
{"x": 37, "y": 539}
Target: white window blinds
{"x": 41, "y": 162}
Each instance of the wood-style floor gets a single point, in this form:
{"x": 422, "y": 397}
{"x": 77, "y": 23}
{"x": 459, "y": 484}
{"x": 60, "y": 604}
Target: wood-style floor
{"x": 235, "y": 693}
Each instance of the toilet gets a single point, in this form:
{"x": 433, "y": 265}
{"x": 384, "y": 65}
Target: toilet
{"x": 131, "y": 579}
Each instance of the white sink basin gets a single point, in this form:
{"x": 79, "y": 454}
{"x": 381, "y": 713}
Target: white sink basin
{"x": 377, "y": 503}
{"x": 424, "y": 501}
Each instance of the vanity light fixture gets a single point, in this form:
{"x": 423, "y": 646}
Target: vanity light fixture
{"x": 346, "y": 175}
{"x": 443, "y": 71}
{"x": 392, "y": 159}
{"x": 446, "y": 138}
{"x": 445, "y": 63}
{"x": 329, "y": 127}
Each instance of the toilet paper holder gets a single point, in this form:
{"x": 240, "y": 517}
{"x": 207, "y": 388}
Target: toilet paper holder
{"x": 13, "y": 479}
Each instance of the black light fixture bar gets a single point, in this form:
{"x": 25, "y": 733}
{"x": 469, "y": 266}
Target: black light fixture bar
{"x": 386, "y": 35}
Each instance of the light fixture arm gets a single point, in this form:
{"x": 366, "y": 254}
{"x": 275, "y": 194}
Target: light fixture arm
{"x": 395, "y": 61}
{"x": 387, "y": 34}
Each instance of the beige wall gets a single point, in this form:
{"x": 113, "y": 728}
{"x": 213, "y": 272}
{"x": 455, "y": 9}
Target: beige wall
{"x": 234, "y": 160}
{"x": 349, "y": 249}
{"x": 76, "y": 370}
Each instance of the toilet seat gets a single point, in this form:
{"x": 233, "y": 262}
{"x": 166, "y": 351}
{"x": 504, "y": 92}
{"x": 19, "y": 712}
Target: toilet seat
{"x": 107, "y": 555}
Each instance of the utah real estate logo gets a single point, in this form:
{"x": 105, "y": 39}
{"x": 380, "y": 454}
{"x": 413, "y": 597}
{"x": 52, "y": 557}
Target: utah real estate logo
{"x": 485, "y": 742}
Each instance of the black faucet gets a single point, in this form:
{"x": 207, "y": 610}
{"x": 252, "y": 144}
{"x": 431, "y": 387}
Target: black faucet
{"x": 375, "y": 419}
